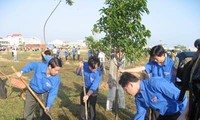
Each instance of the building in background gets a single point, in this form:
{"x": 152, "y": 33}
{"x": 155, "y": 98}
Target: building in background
{"x": 14, "y": 40}
{"x": 18, "y": 41}
{"x": 34, "y": 43}
{"x": 3, "y": 44}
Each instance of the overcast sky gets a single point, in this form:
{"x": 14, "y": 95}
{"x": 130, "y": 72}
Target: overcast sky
{"x": 171, "y": 22}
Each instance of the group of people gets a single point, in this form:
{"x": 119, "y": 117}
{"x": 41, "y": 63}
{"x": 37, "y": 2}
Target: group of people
{"x": 156, "y": 93}
{"x": 62, "y": 53}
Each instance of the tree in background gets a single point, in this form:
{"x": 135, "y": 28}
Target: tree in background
{"x": 180, "y": 48}
{"x": 69, "y": 2}
{"x": 121, "y": 22}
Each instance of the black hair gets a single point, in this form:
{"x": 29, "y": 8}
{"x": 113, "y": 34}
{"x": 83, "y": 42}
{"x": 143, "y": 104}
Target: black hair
{"x": 126, "y": 78}
{"x": 47, "y": 52}
{"x": 157, "y": 50}
{"x": 54, "y": 62}
{"x": 93, "y": 60}
{"x": 197, "y": 43}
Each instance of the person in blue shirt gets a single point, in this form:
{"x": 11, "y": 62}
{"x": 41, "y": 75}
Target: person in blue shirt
{"x": 57, "y": 53}
{"x": 92, "y": 79}
{"x": 45, "y": 83}
{"x": 89, "y": 53}
{"x": 156, "y": 93}
{"x": 66, "y": 54}
{"x": 159, "y": 65}
{"x": 74, "y": 53}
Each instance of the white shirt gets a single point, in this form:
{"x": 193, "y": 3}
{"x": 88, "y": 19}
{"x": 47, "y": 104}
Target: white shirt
{"x": 101, "y": 56}
{"x": 78, "y": 52}
{"x": 14, "y": 52}
{"x": 54, "y": 51}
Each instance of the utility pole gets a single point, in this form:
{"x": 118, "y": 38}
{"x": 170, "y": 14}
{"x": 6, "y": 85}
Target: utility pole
{"x": 45, "y": 42}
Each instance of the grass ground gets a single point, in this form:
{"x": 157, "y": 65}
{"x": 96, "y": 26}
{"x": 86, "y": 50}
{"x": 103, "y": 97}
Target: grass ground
{"x": 66, "y": 105}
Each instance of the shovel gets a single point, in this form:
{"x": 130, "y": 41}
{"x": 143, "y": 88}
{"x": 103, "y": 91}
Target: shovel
{"x": 84, "y": 91}
{"x": 46, "y": 116}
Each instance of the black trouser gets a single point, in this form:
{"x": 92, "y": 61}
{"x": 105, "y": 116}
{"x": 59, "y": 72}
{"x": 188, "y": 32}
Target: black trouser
{"x": 74, "y": 57}
{"x": 151, "y": 114}
{"x": 78, "y": 57}
{"x": 169, "y": 117}
{"x": 91, "y": 105}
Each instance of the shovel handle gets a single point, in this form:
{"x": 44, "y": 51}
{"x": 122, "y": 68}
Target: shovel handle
{"x": 30, "y": 90}
{"x": 84, "y": 92}
{"x": 33, "y": 93}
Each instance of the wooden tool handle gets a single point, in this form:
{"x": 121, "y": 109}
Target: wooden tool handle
{"x": 84, "y": 92}
{"x": 30, "y": 90}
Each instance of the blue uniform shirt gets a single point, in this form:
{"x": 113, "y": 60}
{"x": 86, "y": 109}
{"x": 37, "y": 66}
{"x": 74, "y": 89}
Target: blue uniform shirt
{"x": 74, "y": 51}
{"x": 40, "y": 83}
{"x": 89, "y": 53}
{"x": 47, "y": 58}
{"x": 66, "y": 53}
{"x": 92, "y": 79}
{"x": 159, "y": 95}
{"x": 164, "y": 71}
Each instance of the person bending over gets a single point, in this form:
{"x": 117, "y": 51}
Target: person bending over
{"x": 154, "y": 93}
